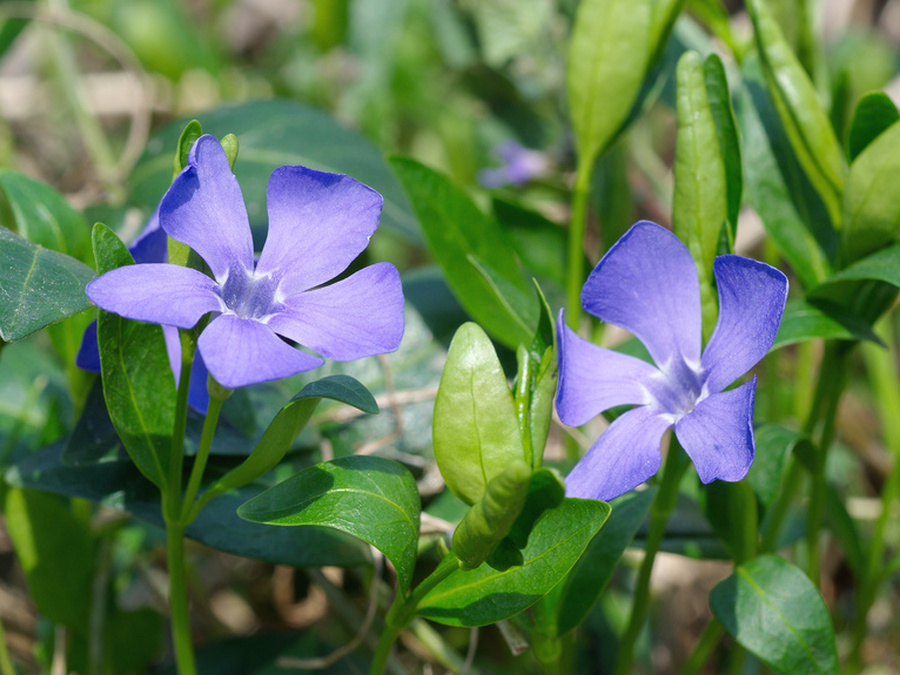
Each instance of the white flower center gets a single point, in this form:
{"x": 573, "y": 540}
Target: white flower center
{"x": 679, "y": 387}
{"x": 250, "y": 296}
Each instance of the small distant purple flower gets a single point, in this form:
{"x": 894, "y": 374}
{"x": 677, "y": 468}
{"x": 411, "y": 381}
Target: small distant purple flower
{"x": 647, "y": 283}
{"x": 318, "y": 224}
{"x": 151, "y": 246}
{"x": 520, "y": 165}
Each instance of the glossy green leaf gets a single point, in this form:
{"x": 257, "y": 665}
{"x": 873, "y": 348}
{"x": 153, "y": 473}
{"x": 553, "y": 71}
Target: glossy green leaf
{"x": 189, "y": 135}
{"x": 43, "y": 216}
{"x": 570, "y": 601}
{"x": 540, "y": 243}
{"x": 473, "y": 251}
{"x": 874, "y": 113}
{"x": 118, "y": 485}
{"x": 475, "y": 428}
{"x": 772, "y": 178}
{"x": 286, "y": 426}
{"x": 137, "y": 381}
{"x": 719, "y": 99}
{"x": 38, "y": 287}
{"x": 883, "y": 265}
{"x": 603, "y": 84}
{"x": 731, "y": 510}
{"x": 773, "y": 610}
{"x": 371, "y": 498}
{"x": 804, "y": 321}
{"x": 700, "y": 207}
{"x": 55, "y": 551}
{"x": 872, "y": 199}
{"x": 275, "y": 133}
{"x": 805, "y": 121}
{"x": 487, "y": 595}
{"x": 774, "y": 444}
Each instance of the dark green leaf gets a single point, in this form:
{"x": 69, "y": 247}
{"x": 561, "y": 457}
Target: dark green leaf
{"x": 874, "y": 113}
{"x": 476, "y": 430}
{"x": 773, "y": 610}
{"x": 371, "y": 498}
{"x": 804, "y": 321}
{"x": 540, "y": 243}
{"x": 274, "y": 133}
{"x": 43, "y": 216}
{"x": 602, "y": 85}
{"x": 774, "y": 444}
{"x": 731, "y": 510}
{"x": 486, "y": 595}
{"x": 567, "y": 605}
{"x": 805, "y": 121}
{"x": 719, "y": 98}
{"x": 137, "y": 377}
{"x": 287, "y": 425}
{"x": 192, "y": 131}
{"x": 474, "y": 253}
{"x": 38, "y": 287}
{"x": 119, "y": 485}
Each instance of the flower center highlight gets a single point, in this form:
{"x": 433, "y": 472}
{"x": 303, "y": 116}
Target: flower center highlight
{"x": 250, "y": 296}
{"x": 678, "y": 388}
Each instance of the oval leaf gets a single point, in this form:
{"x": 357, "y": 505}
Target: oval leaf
{"x": 874, "y": 113}
{"x": 372, "y": 498}
{"x": 486, "y": 595}
{"x": 38, "y": 287}
{"x": 476, "y": 430}
{"x": 772, "y": 609}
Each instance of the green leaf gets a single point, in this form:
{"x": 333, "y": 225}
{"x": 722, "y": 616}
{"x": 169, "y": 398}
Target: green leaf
{"x": 772, "y": 185}
{"x": 38, "y": 287}
{"x": 475, "y": 428}
{"x": 700, "y": 207}
{"x": 773, "y": 610}
{"x": 372, "y": 498}
{"x": 602, "y": 82}
{"x": 874, "y": 113}
{"x": 473, "y": 251}
{"x": 539, "y": 242}
{"x": 570, "y": 601}
{"x": 774, "y": 444}
{"x": 731, "y": 509}
{"x": 119, "y": 485}
{"x": 43, "y": 216}
{"x": 287, "y": 425}
{"x": 845, "y": 530}
{"x": 272, "y": 134}
{"x": 871, "y": 202}
{"x": 719, "y": 99}
{"x": 56, "y": 553}
{"x": 804, "y": 321}
{"x": 805, "y": 121}
{"x": 486, "y": 595}
{"x": 137, "y": 381}
{"x": 189, "y": 135}
{"x": 883, "y": 265}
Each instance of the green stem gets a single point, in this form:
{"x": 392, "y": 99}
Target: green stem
{"x": 661, "y": 509}
{"x": 172, "y": 492}
{"x": 178, "y": 600}
{"x": 6, "y": 666}
{"x": 577, "y": 227}
{"x": 206, "y": 438}
{"x": 707, "y": 644}
{"x": 404, "y": 609}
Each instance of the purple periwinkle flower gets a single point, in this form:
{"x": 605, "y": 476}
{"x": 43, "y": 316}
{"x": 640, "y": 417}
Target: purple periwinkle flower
{"x": 318, "y": 224}
{"x": 647, "y": 283}
{"x": 520, "y": 165}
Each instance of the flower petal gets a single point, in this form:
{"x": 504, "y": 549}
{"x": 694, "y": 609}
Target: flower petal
{"x": 624, "y": 456}
{"x": 358, "y": 316}
{"x": 593, "y": 379}
{"x": 240, "y": 352}
{"x": 318, "y": 223}
{"x": 156, "y": 292}
{"x": 751, "y": 303}
{"x": 647, "y": 283}
{"x": 205, "y": 210}
{"x": 88, "y": 357}
{"x": 718, "y": 434}
{"x": 198, "y": 392}
{"x": 151, "y": 245}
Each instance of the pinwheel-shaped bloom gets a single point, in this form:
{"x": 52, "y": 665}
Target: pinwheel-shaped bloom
{"x": 647, "y": 283}
{"x": 318, "y": 224}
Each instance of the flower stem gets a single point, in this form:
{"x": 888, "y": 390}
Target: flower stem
{"x": 178, "y": 600}
{"x": 172, "y": 492}
{"x": 661, "y": 509}
{"x": 404, "y": 609}
{"x": 577, "y": 228}
{"x": 206, "y": 438}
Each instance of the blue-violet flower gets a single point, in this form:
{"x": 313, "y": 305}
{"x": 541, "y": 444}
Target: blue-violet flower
{"x": 318, "y": 224}
{"x": 647, "y": 283}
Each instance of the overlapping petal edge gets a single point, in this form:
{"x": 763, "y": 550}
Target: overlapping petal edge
{"x": 319, "y": 223}
{"x": 647, "y": 283}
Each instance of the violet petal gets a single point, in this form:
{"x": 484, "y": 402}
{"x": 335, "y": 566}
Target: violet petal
{"x": 240, "y": 352}
{"x": 318, "y": 223}
{"x": 358, "y": 316}
{"x": 647, "y": 283}
{"x": 718, "y": 434}
{"x": 624, "y": 456}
